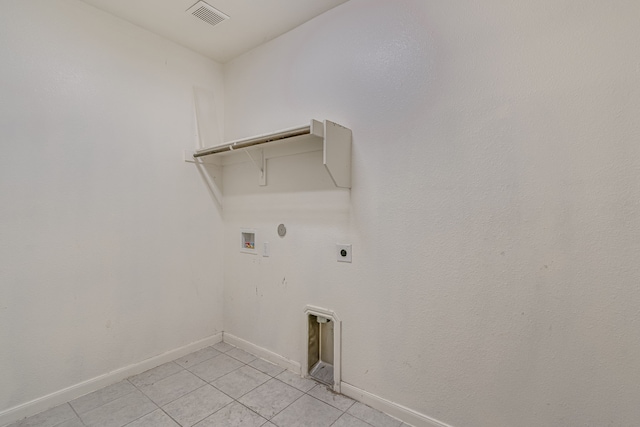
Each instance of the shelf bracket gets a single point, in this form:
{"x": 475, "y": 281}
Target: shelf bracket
{"x": 336, "y": 149}
{"x": 261, "y": 166}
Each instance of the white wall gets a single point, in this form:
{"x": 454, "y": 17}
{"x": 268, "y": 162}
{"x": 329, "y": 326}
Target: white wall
{"x": 494, "y": 215}
{"x": 109, "y": 242}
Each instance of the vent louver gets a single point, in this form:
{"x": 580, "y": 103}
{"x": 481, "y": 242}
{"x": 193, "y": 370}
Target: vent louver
{"x": 207, "y": 13}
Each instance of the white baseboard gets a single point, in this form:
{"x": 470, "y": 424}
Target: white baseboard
{"x": 73, "y": 392}
{"x": 403, "y": 413}
{"x": 263, "y": 353}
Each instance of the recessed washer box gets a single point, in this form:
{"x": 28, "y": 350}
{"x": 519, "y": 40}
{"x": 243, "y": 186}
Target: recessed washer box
{"x": 248, "y": 240}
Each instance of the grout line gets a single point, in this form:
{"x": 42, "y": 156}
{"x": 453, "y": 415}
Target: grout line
{"x": 104, "y": 403}
{"x": 353, "y": 402}
{"x": 203, "y": 379}
{"x": 61, "y": 422}
{"x": 202, "y": 361}
{"x": 283, "y": 409}
{"x": 186, "y": 394}
{"x": 345, "y": 412}
{"x": 112, "y": 400}
{"x": 208, "y": 415}
{"x": 247, "y": 391}
{"x": 224, "y": 351}
{"x": 246, "y": 363}
{"x": 303, "y": 393}
{"x": 144, "y": 415}
{"x": 245, "y": 406}
{"x": 266, "y": 373}
{"x": 170, "y": 417}
{"x": 358, "y": 418}
{"x": 216, "y": 379}
{"x": 159, "y": 379}
{"x": 233, "y": 400}
{"x": 76, "y": 412}
{"x": 214, "y": 412}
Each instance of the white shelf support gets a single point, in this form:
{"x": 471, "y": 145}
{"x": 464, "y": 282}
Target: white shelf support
{"x": 262, "y": 166}
{"x": 337, "y": 153}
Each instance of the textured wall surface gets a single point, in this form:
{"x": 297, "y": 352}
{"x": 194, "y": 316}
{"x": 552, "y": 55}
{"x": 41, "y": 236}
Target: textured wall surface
{"x": 494, "y": 215}
{"x": 108, "y": 240}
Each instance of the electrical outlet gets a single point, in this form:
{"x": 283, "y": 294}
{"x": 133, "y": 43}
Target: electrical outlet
{"x": 343, "y": 253}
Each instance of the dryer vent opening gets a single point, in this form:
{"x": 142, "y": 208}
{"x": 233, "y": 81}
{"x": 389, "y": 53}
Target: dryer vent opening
{"x": 322, "y": 359}
{"x": 321, "y": 349}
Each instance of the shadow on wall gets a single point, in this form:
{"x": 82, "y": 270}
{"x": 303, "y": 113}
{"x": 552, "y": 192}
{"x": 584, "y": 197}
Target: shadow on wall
{"x": 297, "y": 185}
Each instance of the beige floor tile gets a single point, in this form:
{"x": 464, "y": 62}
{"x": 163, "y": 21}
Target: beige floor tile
{"x": 347, "y": 420}
{"x": 309, "y": 412}
{"x": 323, "y": 393}
{"x": 233, "y": 415}
{"x": 105, "y": 395}
{"x": 295, "y": 380}
{"x": 49, "y": 418}
{"x": 373, "y": 416}
{"x": 270, "y": 398}
{"x": 241, "y": 355}
{"x": 223, "y": 347}
{"x": 155, "y": 419}
{"x": 214, "y": 368}
{"x": 241, "y": 381}
{"x": 172, "y": 387}
{"x": 196, "y": 406}
{"x": 197, "y": 357}
{"x": 267, "y": 367}
{"x": 119, "y": 412}
{"x": 156, "y": 374}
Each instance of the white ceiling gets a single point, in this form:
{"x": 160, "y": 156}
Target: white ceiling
{"x": 251, "y": 23}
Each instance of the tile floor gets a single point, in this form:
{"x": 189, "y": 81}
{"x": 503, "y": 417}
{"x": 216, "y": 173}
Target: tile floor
{"x": 219, "y": 385}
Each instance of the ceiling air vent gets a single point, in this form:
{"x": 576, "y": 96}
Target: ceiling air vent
{"x": 207, "y": 13}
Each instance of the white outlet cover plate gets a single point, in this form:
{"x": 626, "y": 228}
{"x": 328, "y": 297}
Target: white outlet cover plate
{"x": 340, "y": 257}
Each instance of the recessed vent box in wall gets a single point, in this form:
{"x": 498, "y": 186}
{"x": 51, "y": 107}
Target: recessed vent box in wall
{"x": 320, "y": 354}
{"x": 336, "y": 148}
{"x": 322, "y": 347}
